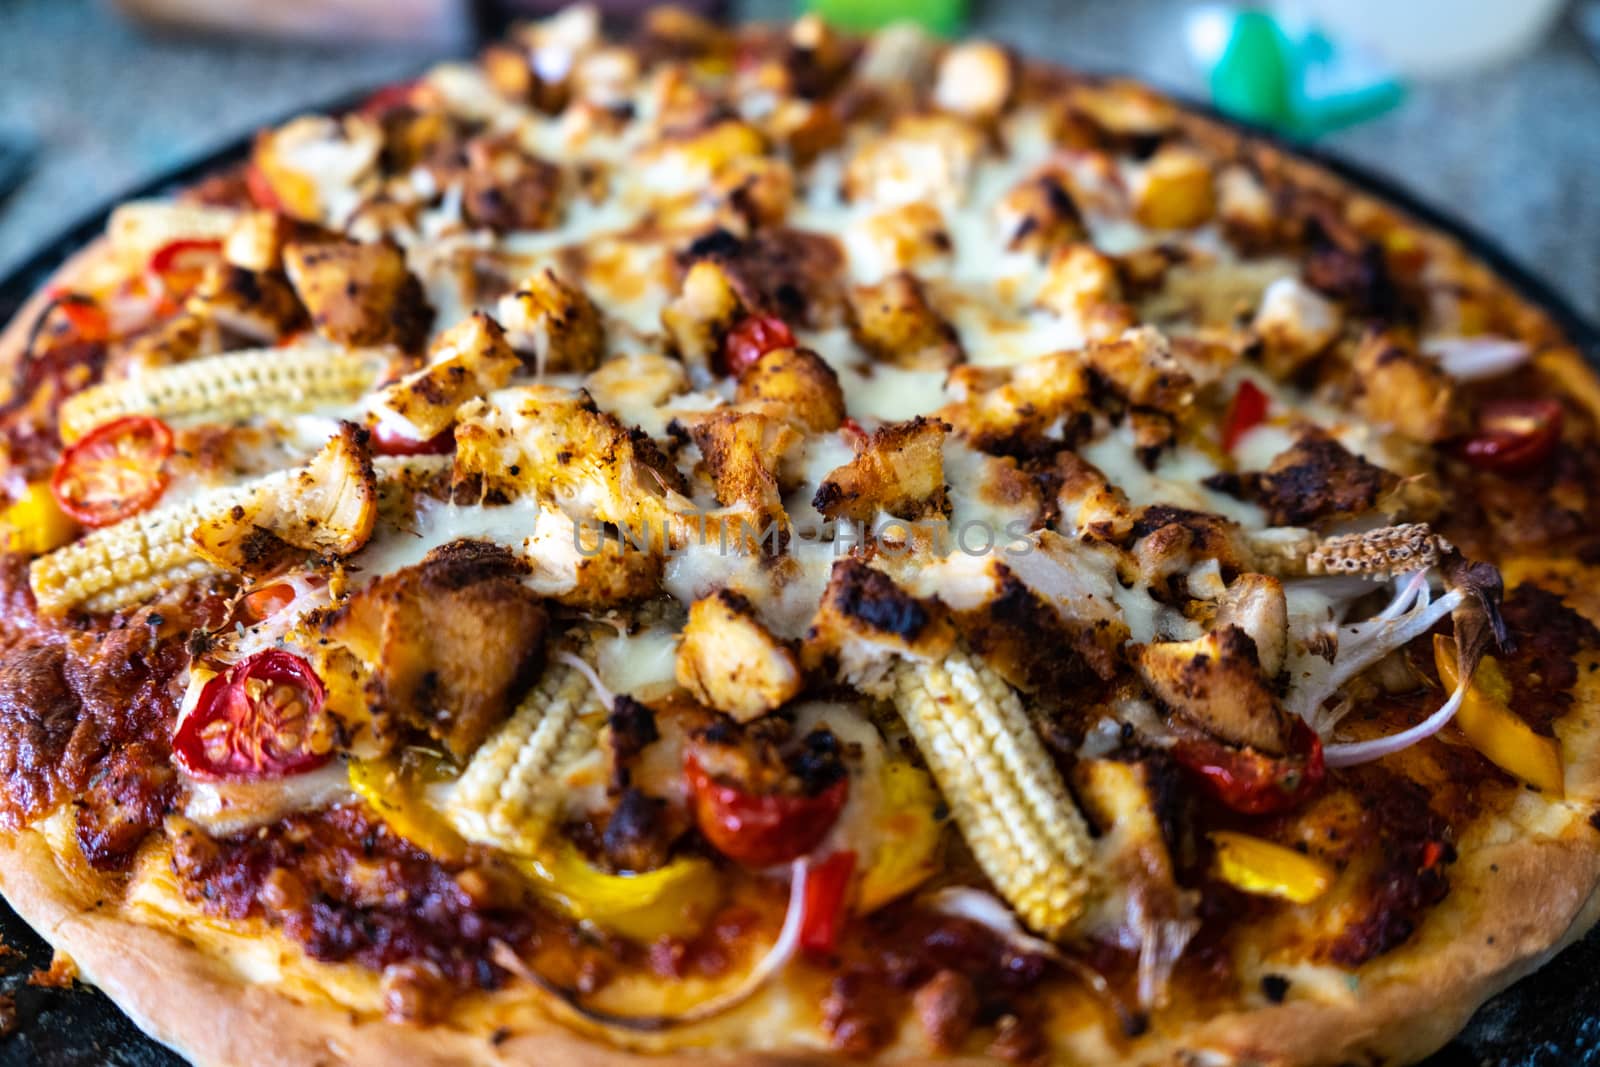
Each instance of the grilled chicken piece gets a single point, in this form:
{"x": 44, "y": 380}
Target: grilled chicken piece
{"x": 1320, "y": 481}
{"x": 1255, "y": 603}
{"x": 574, "y": 565}
{"x": 450, "y": 643}
{"x": 794, "y": 384}
{"x": 743, "y": 451}
{"x": 177, "y": 340}
{"x": 1082, "y": 286}
{"x": 1039, "y": 215}
{"x": 469, "y": 360}
{"x": 900, "y": 239}
{"x": 635, "y": 387}
{"x": 700, "y": 316}
{"x": 729, "y": 661}
{"x": 894, "y": 321}
{"x": 865, "y": 622}
{"x": 1087, "y": 504}
{"x": 1170, "y": 542}
{"x": 1142, "y": 910}
{"x": 258, "y": 238}
{"x": 1216, "y": 682}
{"x": 1004, "y": 409}
{"x": 1174, "y": 191}
{"x": 359, "y": 294}
{"x": 327, "y": 508}
{"x": 507, "y": 189}
{"x": 555, "y": 322}
{"x": 1406, "y": 389}
{"x": 1145, "y": 368}
{"x": 258, "y": 305}
{"x": 752, "y": 192}
{"x": 975, "y": 79}
{"x": 1295, "y": 324}
{"x": 927, "y": 158}
{"x": 555, "y": 442}
{"x": 898, "y": 469}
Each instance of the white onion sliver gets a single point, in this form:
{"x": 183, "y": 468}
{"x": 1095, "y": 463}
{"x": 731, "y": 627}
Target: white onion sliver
{"x": 776, "y": 958}
{"x": 1348, "y": 755}
{"x": 607, "y": 697}
{"x": 986, "y": 909}
{"x": 1470, "y": 359}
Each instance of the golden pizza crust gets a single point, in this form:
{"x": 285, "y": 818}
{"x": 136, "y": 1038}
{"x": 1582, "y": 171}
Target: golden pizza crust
{"x": 1512, "y": 905}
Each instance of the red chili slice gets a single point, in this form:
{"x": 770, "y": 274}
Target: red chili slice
{"x": 180, "y": 264}
{"x": 1252, "y": 782}
{"x": 84, "y": 314}
{"x": 826, "y": 888}
{"x": 389, "y": 442}
{"x": 118, "y": 470}
{"x": 750, "y": 339}
{"x": 265, "y": 602}
{"x": 1248, "y": 410}
{"x": 261, "y": 718}
{"x": 759, "y": 830}
{"x": 1514, "y": 435}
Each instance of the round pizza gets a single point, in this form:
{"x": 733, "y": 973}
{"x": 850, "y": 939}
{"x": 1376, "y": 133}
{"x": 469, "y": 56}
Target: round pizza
{"x": 785, "y": 546}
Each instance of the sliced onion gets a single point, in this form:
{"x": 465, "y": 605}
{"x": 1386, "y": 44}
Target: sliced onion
{"x": 1348, "y": 755}
{"x": 1470, "y": 359}
{"x": 577, "y": 663}
{"x": 988, "y": 910}
{"x": 566, "y": 1001}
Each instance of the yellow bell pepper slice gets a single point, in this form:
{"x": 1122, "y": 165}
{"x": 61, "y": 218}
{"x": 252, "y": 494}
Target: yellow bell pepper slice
{"x": 1265, "y": 869}
{"x": 672, "y": 901}
{"x": 34, "y": 523}
{"x": 1494, "y": 729}
{"x": 394, "y": 790}
{"x": 908, "y": 852}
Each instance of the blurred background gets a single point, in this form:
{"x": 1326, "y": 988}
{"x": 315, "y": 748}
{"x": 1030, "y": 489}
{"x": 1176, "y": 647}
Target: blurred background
{"x": 1489, "y": 109}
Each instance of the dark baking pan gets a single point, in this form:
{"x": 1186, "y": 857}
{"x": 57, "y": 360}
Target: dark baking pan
{"x": 1549, "y": 1019}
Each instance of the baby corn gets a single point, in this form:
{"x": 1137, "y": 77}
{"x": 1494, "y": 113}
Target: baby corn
{"x": 135, "y": 560}
{"x": 1002, "y": 788}
{"x": 508, "y": 794}
{"x": 231, "y": 386}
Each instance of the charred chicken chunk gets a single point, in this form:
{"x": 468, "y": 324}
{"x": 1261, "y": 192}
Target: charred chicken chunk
{"x": 729, "y": 661}
{"x": 794, "y": 384}
{"x": 507, "y": 189}
{"x": 327, "y": 508}
{"x": 469, "y": 360}
{"x": 450, "y": 643}
{"x": 1216, "y": 683}
{"x": 555, "y": 322}
{"x": 359, "y": 294}
{"x": 1406, "y": 389}
{"x": 259, "y": 305}
{"x": 1319, "y": 480}
{"x": 894, "y": 321}
{"x": 865, "y": 622}
{"x": 899, "y": 469}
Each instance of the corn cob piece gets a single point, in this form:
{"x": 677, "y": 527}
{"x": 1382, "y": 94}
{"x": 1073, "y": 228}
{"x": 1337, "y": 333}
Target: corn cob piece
{"x": 508, "y": 795}
{"x": 138, "y": 558}
{"x": 141, "y": 228}
{"x": 230, "y": 386}
{"x": 1004, "y": 791}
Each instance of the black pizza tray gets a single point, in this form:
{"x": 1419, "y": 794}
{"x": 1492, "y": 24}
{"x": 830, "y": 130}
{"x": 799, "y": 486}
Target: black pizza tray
{"x": 1549, "y": 1019}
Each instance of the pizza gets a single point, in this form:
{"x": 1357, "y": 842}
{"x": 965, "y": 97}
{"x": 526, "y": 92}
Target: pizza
{"x": 785, "y": 546}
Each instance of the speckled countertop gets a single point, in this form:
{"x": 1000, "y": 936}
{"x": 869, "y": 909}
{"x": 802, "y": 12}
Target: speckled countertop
{"x": 1514, "y": 151}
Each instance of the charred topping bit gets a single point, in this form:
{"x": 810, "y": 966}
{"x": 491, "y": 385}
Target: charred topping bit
{"x": 1319, "y": 481}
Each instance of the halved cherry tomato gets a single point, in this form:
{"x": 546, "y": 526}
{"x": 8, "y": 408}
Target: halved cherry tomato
{"x": 759, "y": 830}
{"x": 260, "y": 189}
{"x": 265, "y": 602}
{"x": 1251, "y": 782}
{"x": 261, "y": 718}
{"x": 87, "y": 318}
{"x": 1248, "y": 410}
{"x": 826, "y": 887}
{"x": 751, "y": 338}
{"x": 388, "y": 98}
{"x": 180, "y": 264}
{"x": 1514, "y": 435}
{"x": 118, "y": 470}
{"x": 388, "y": 442}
